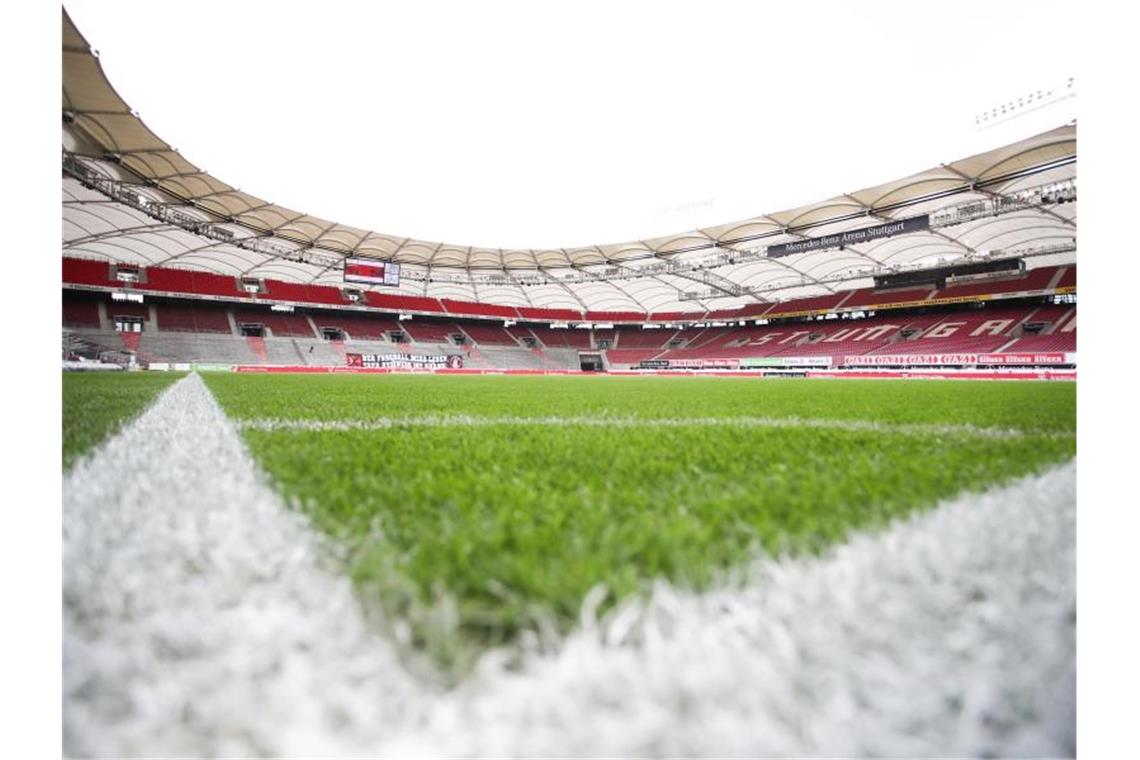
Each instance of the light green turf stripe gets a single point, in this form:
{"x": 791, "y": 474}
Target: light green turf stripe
{"x": 387, "y": 423}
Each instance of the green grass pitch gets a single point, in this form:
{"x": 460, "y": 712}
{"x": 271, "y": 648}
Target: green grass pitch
{"x": 473, "y": 535}
{"x": 96, "y": 404}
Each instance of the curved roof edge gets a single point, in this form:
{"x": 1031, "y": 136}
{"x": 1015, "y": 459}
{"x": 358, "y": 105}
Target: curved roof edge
{"x": 103, "y": 126}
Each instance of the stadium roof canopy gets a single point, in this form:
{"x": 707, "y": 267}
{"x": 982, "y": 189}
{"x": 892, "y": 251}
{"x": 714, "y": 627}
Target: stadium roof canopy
{"x": 129, "y": 197}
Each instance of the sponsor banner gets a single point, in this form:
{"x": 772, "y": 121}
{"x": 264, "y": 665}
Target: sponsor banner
{"x": 1048, "y": 358}
{"x": 702, "y": 363}
{"x": 307, "y": 369}
{"x": 886, "y": 360}
{"x": 950, "y": 374}
{"x": 850, "y": 237}
{"x": 959, "y": 299}
{"x": 919, "y": 360}
{"x": 689, "y": 364}
{"x": 781, "y": 314}
{"x": 912, "y": 304}
{"x": 948, "y": 300}
{"x": 886, "y": 305}
{"x": 404, "y": 361}
{"x": 786, "y": 361}
{"x": 736, "y": 363}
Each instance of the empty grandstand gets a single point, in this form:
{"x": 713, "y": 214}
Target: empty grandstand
{"x": 181, "y": 330}
{"x": 993, "y": 235}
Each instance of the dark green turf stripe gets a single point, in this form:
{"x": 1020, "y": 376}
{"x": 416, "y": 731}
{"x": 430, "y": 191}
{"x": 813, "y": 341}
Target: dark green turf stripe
{"x": 474, "y": 534}
{"x": 97, "y": 404}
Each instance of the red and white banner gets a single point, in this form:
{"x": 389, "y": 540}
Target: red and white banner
{"x": 932, "y": 360}
{"x": 404, "y": 361}
{"x": 703, "y": 363}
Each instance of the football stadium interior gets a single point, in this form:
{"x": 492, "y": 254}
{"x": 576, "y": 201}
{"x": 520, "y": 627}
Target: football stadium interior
{"x": 964, "y": 258}
{"x": 340, "y": 491}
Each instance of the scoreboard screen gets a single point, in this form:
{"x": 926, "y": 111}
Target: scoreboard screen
{"x": 371, "y": 271}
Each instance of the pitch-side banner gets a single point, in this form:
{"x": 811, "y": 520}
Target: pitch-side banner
{"x": 689, "y": 363}
{"x": 850, "y": 237}
{"x": 404, "y": 361}
{"x": 884, "y": 360}
{"x": 750, "y": 362}
{"x": 786, "y": 361}
{"x": 703, "y": 363}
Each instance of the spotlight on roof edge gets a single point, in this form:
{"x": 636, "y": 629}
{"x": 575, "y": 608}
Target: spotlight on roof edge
{"x": 1026, "y": 103}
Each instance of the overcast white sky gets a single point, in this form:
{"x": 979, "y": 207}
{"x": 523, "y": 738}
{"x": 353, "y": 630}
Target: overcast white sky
{"x": 522, "y": 125}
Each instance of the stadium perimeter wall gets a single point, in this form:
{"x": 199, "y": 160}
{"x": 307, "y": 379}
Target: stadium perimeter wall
{"x": 928, "y": 374}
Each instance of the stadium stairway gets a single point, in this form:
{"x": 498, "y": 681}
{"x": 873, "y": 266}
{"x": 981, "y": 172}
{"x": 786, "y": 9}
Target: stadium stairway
{"x": 563, "y": 358}
{"x": 475, "y": 357}
{"x": 130, "y": 340}
{"x": 283, "y": 351}
{"x": 550, "y": 359}
{"x": 319, "y": 353}
{"x": 338, "y": 347}
{"x": 1005, "y": 346}
{"x": 301, "y": 357}
{"x": 257, "y": 346}
{"x": 544, "y": 359}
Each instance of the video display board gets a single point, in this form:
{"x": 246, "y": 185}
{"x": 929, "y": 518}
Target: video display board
{"x": 371, "y": 272}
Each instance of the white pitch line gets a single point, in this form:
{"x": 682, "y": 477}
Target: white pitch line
{"x": 950, "y": 634}
{"x": 199, "y": 616}
{"x": 461, "y": 420}
{"x": 200, "y": 619}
